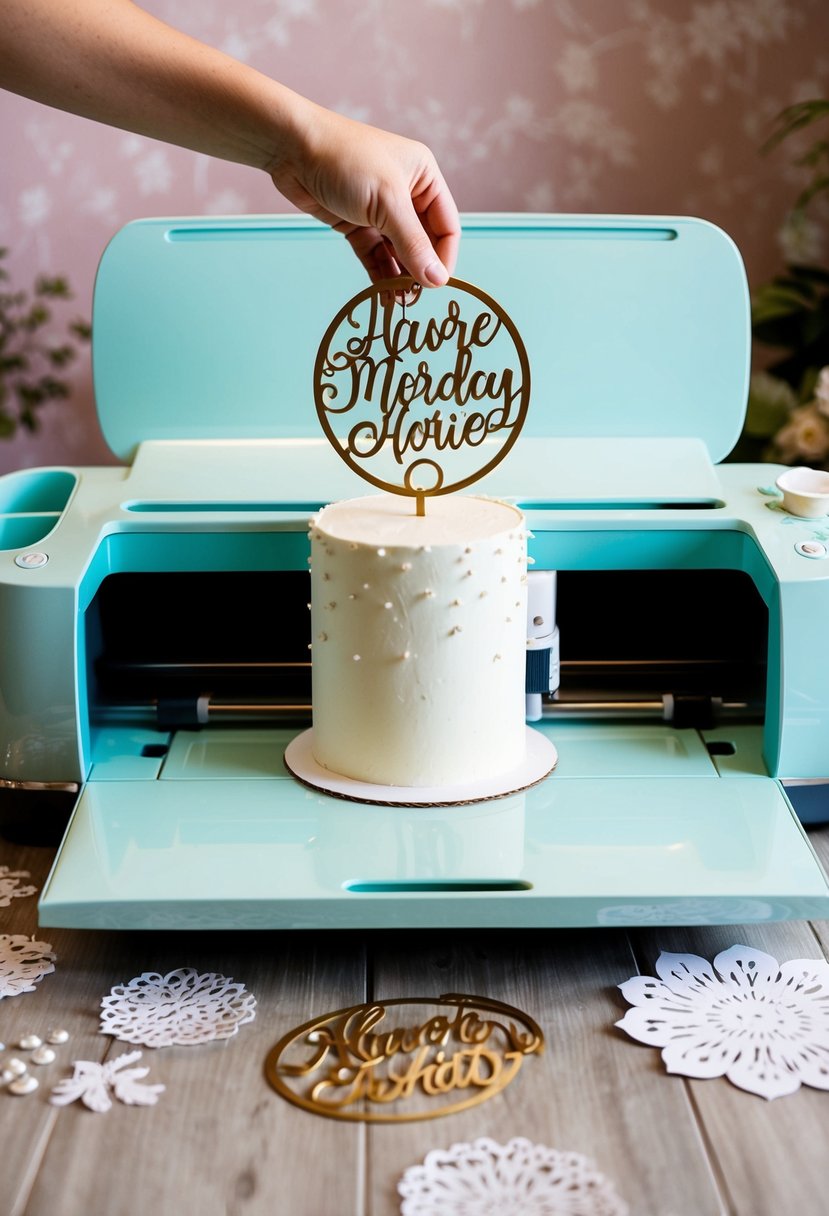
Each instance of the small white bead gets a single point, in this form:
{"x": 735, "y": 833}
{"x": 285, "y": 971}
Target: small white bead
{"x": 29, "y": 1042}
{"x": 407, "y": 654}
{"x": 322, "y": 637}
{"x": 381, "y": 552}
{"x": 57, "y": 1035}
{"x": 43, "y": 1055}
{"x": 366, "y": 586}
{"x": 406, "y": 566}
{"x": 15, "y": 1066}
{"x": 356, "y": 658}
{"x": 23, "y": 1085}
{"x": 388, "y": 604}
{"x": 351, "y": 595}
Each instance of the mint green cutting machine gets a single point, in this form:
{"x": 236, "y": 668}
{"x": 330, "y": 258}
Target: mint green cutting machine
{"x": 154, "y": 660}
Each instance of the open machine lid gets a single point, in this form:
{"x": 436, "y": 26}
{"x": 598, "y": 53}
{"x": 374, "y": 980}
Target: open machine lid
{"x": 634, "y": 326}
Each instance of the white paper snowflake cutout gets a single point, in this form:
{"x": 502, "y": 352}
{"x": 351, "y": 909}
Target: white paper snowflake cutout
{"x": 10, "y": 887}
{"x": 491, "y": 1179}
{"x": 93, "y": 1083}
{"x": 180, "y": 1008}
{"x": 762, "y": 1024}
{"x": 23, "y": 963}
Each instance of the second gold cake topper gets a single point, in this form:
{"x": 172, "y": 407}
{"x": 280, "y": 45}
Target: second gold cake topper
{"x": 422, "y": 392}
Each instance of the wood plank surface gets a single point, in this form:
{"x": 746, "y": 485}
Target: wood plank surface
{"x": 221, "y": 1142}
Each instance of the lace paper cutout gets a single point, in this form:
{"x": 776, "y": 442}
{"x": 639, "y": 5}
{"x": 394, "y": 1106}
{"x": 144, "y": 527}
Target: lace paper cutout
{"x": 180, "y": 1008}
{"x": 23, "y": 963}
{"x": 490, "y": 1179}
{"x": 762, "y": 1024}
{"x": 93, "y": 1083}
{"x": 10, "y": 885}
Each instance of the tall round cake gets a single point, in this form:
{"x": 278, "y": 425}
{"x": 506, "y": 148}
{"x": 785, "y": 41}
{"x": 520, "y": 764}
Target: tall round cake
{"x": 419, "y": 639}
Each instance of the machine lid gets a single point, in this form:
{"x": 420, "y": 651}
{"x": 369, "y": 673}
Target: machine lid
{"x": 635, "y": 326}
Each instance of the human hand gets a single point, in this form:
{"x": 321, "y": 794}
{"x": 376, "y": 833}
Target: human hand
{"x": 383, "y": 192}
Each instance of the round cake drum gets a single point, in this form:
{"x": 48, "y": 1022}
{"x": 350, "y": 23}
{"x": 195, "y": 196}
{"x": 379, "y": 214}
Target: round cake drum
{"x": 540, "y": 760}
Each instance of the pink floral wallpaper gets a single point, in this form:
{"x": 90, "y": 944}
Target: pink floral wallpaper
{"x": 639, "y": 106}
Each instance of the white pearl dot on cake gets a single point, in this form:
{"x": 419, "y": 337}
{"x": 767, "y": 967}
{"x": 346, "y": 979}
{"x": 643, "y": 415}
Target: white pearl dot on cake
{"x": 23, "y": 1085}
{"x": 356, "y": 658}
{"x": 405, "y": 566}
{"x": 351, "y": 595}
{"x": 29, "y": 1042}
{"x": 57, "y": 1035}
{"x": 15, "y": 1066}
{"x": 366, "y": 586}
{"x": 381, "y": 552}
{"x": 388, "y": 604}
{"x": 322, "y": 637}
{"x": 43, "y": 1055}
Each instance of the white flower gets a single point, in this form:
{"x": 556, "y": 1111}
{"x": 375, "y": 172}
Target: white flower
{"x": 153, "y": 172}
{"x": 181, "y": 1008}
{"x": 712, "y": 31}
{"x": 577, "y": 67}
{"x": 822, "y": 392}
{"x": 486, "y": 1178}
{"x": 10, "y": 886}
{"x": 763, "y": 1025}
{"x": 35, "y": 206}
{"x": 763, "y": 20}
{"x": 23, "y": 963}
{"x": 800, "y": 239}
{"x": 92, "y": 1083}
{"x": 805, "y": 437}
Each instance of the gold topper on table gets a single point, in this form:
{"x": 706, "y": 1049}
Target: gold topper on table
{"x": 418, "y": 377}
{"x": 357, "y": 1062}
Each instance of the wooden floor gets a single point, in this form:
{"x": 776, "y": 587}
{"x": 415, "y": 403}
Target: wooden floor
{"x": 220, "y": 1141}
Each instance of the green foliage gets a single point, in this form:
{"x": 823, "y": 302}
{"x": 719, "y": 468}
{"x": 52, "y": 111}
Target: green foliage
{"x": 791, "y": 313}
{"x": 31, "y": 365}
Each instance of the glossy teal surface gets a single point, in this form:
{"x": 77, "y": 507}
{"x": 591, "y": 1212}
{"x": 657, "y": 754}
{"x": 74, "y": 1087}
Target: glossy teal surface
{"x": 273, "y": 854}
{"x": 208, "y": 329}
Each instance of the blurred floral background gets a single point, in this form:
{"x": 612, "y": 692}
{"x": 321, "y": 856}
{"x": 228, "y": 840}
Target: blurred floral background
{"x": 628, "y": 106}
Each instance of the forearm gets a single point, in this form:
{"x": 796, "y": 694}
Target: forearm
{"x": 113, "y": 62}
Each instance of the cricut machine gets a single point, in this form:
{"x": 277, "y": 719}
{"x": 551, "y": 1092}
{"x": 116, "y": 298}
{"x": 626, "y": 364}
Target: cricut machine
{"x": 154, "y": 661}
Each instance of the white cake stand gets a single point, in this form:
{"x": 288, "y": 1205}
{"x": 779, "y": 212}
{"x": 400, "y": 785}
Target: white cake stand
{"x": 540, "y": 760}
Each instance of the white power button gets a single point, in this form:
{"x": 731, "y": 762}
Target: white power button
{"x": 811, "y": 548}
{"x": 31, "y": 561}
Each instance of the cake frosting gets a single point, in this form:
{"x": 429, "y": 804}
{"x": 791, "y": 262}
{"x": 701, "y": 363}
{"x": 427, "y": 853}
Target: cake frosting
{"x": 418, "y": 639}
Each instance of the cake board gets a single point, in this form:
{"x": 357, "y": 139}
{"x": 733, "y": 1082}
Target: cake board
{"x": 540, "y": 759}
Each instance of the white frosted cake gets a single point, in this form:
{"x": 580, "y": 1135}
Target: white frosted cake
{"x": 419, "y": 639}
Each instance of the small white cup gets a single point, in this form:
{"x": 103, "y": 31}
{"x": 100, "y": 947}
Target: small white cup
{"x": 805, "y": 492}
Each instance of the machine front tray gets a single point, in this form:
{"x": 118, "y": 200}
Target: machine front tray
{"x": 222, "y": 839}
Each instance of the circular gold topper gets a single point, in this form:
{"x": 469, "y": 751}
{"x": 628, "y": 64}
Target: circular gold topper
{"x": 409, "y": 384}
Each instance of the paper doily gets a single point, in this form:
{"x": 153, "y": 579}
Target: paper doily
{"x": 10, "y": 885}
{"x": 180, "y": 1008}
{"x": 762, "y": 1024}
{"x": 93, "y": 1083}
{"x": 490, "y": 1179}
{"x": 23, "y": 963}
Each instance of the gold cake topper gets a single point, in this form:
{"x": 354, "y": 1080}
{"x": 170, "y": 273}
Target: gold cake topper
{"x": 408, "y": 384}
{"x": 356, "y": 1063}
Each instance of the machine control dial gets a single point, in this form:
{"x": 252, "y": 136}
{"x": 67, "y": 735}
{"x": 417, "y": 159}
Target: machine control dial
{"x": 811, "y": 548}
{"x": 31, "y": 561}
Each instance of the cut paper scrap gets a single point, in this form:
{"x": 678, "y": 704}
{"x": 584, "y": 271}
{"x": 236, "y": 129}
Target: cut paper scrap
{"x": 762, "y": 1024}
{"x": 177, "y": 1009}
{"x": 23, "y": 963}
{"x": 93, "y": 1084}
{"x": 485, "y": 1177}
{"x": 10, "y": 887}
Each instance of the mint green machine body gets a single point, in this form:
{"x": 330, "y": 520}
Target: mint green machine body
{"x": 205, "y": 334}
